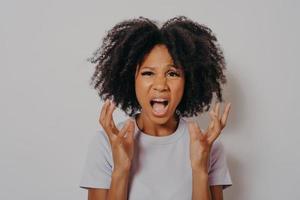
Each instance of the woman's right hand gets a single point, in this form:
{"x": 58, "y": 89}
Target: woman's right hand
{"x": 122, "y": 147}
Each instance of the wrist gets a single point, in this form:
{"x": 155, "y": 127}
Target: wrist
{"x": 201, "y": 172}
{"x": 200, "y": 167}
{"x": 120, "y": 173}
{"x": 123, "y": 168}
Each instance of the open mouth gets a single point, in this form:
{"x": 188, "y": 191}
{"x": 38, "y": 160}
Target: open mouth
{"x": 164, "y": 102}
{"x": 159, "y": 106}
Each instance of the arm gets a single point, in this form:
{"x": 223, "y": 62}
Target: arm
{"x": 201, "y": 189}
{"x": 97, "y": 194}
{"x": 119, "y": 186}
{"x": 200, "y": 150}
{"x": 216, "y": 192}
{"x": 122, "y": 151}
{"x": 200, "y": 186}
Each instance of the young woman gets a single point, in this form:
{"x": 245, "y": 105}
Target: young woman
{"x": 157, "y": 76}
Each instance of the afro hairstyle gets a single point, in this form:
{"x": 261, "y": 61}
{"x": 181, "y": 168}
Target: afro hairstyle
{"x": 191, "y": 45}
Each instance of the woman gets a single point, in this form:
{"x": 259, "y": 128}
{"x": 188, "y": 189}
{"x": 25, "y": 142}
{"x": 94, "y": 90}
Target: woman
{"x": 157, "y": 76}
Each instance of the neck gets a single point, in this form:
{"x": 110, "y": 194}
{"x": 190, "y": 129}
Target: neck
{"x": 156, "y": 129}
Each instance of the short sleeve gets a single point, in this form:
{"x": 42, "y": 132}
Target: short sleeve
{"x": 218, "y": 173}
{"x": 98, "y": 166}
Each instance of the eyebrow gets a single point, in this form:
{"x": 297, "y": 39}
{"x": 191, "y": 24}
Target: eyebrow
{"x": 171, "y": 65}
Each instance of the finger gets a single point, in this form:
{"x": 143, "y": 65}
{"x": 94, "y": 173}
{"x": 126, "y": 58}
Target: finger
{"x": 198, "y": 131}
{"x": 109, "y": 116}
{"x": 218, "y": 110}
{"x": 112, "y": 123}
{"x": 102, "y": 120}
{"x": 214, "y": 108}
{"x": 113, "y": 126}
{"x": 197, "y": 128}
{"x": 130, "y": 131}
{"x": 103, "y": 111}
{"x": 106, "y": 124}
{"x": 195, "y": 131}
{"x": 215, "y": 120}
{"x": 192, "y": 130}
{"x": 123, "y": 131}
{"x": 214, "y": 133}
{"x": 225, "y": 115}
{"x": 211, "y": 125}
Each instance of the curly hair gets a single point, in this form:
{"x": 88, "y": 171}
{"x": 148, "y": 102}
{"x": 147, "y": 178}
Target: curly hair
{"x": 192, "y": 46}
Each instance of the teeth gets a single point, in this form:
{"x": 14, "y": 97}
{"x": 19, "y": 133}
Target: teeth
{"x": 164, "y": 101}
{"x": 159, "y": 100}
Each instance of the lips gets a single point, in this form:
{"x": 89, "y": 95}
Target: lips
{"x": 162, "y": 101}
{"x": 159, "y": 106}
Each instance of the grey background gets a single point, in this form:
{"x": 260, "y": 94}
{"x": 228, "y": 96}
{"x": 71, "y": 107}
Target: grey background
{"x": 49, "y": 113}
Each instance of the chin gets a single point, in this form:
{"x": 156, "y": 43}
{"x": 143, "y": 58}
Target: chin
{"x": 160, "y": 120}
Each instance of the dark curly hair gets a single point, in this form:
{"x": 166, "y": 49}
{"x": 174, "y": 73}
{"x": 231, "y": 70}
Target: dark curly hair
{"x": 191, "y": 46}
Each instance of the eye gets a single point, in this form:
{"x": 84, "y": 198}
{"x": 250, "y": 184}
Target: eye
{"x": 173, "y": 73}
{"x": 146, "y": 73}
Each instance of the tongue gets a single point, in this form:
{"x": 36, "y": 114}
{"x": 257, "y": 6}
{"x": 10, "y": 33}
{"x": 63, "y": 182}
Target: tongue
{"x": 159, "y": 108}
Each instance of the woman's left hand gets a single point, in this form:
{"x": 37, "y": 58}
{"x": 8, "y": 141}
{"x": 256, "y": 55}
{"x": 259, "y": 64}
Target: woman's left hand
{"x": 201, "y": 143}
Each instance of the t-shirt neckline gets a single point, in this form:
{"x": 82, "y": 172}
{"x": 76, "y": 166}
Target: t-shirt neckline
{"x": 149, "y": 139}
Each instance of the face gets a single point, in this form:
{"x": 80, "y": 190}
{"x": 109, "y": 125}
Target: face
{"x": 159, "y": 86}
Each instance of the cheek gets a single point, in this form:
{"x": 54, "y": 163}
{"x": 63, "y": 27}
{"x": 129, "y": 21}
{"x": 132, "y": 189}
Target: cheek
{"x": 140, "y": 90}
{"x": 142, "y": 84}
{"x": 178, "y": 90}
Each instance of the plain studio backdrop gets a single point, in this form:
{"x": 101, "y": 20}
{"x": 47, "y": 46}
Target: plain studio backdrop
{"x": 49, "y": 112}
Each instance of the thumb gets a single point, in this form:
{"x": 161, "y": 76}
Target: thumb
{"x": 192, "y": 130}
{"x": 130, "y": 131}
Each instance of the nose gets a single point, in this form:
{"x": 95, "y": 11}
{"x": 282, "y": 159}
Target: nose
{"x": 160, "y": 84}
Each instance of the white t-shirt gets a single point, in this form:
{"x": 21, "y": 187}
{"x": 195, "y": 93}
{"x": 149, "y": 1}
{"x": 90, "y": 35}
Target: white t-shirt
{"x": 161, "y": 167}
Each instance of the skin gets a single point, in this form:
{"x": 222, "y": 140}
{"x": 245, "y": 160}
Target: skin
{"x": 157, "y": 76}
{"x": 200, "y": 147}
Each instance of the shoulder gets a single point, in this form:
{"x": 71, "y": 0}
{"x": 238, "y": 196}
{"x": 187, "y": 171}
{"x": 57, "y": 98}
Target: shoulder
{"x": 184, "y": 122}
{"x": 100, "y": 137}
{"x": 99, "y": 141}
{"x": 217, "y": 147}
{"x": 217, "y": 153}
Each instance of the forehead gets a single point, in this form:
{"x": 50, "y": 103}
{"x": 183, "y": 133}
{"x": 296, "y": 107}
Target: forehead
{"x": 158, "y": 58}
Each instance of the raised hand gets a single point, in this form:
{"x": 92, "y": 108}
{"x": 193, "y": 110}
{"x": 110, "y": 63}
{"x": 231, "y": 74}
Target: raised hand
{"x": 122, "y": 144}
{"x": 201, "y": 143}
